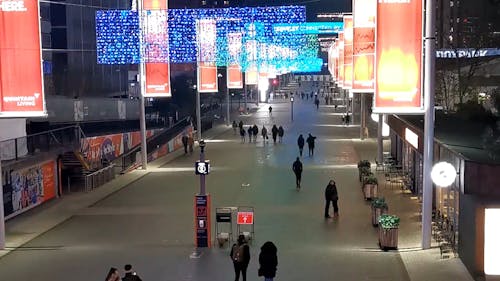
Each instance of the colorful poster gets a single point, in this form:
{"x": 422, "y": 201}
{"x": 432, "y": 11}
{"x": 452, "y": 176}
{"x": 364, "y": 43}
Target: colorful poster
{"x": 21, "y": 84}
{"x": 156, "y": 49}
{"x": 234, "y": 77}
{"x": 364, "y": 45}
{"x": 348, "y": 50}
{"x": 31, "y": 187}
{"x": 398, "y": 57}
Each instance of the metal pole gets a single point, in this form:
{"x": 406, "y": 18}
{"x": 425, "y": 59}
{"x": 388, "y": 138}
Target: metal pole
{"x": 228, "y": 122}
{"x": 2, "y": 215}
{"x": 362, "y": 118}
{"x": 380, "y": 139}
{"x": 292, "y": 110}
{"x": 202, "y": 159}
{"x": 142, "y": 78}
{"x": 429, "y": 71}
{"x": 198, "y": 114}
{"x": 245, "y": 95}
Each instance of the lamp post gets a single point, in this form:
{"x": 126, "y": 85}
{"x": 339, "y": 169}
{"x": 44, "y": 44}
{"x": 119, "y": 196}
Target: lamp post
{"x": 291, "y": 101}
{"x": 202, "y": 145}
{"x": 227, "y": 102}
{"x": 198, "y": 112}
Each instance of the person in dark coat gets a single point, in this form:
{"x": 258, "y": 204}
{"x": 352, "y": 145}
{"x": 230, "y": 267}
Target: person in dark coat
{"x": 316, "y": 102}
{"x": 270, "y": 110}
{"x": 274, "y": 132}
{"x": 185, "y": 140}
{"x": 242, "y": 135}
{"x": 331, "y": 195}
{"x": 268, "y": 261}
{"x": 300, "y": 143}
{"x": 250, "y": 133}
{"x": 297, "y": 169}
{"x": 240, "y": 255}
{"x": 240, "y": 124}
{"x": 130, "y": 275}
{"x": 255, "y": 132}
{"x": 281, "y": 132}
{"x": 310, "y": 144}
{"x": 264, "y": 134}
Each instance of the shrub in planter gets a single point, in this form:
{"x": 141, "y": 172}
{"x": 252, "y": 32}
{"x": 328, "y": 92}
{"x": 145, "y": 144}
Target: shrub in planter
{"x": 363, "y": 172}
{"x": 388, "y": 232}
{"x": 389, "y": 221}
{"x": 379, "y": 207}
{"x": 379, "y": 203}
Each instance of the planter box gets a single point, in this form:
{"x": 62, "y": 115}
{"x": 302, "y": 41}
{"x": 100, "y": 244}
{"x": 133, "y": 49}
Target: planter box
{"x": 388, "y": 238}
{"x": 370, "y": 191}
{"x": 376, "y": 213}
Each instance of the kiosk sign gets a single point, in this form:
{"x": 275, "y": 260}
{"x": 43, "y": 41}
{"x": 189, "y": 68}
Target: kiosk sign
{"x": 202, "y": 220}
{"x": 245, "y": 218}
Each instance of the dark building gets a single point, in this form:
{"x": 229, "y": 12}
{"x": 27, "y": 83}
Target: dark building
{"x": 214, "y": 3}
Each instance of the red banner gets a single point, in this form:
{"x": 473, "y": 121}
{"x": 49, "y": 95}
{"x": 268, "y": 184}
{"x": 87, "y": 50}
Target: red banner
{"x": 234, "y": 77}
{"x": 399, "y": 57}
{"x": 158, "y": 80}
{"x": 364, "y": 45}
{"x": 207, "y": 77}
{"x": 348, "y": 49}
{"x": 21, "y": 85}
{"x": 340, "y": 73}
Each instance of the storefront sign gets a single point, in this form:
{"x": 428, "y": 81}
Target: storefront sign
{"x": 411, "y": 138}
{"x": 398, "y": 57}
{"x": 21, "y": 83}
{"x": 364, "y": 45}
{"x": 348, "y": 51}
{"x": 491, "y": 241}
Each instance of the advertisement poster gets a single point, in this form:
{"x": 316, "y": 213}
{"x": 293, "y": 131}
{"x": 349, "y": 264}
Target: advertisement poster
{"x": 251, "y": 77}
{"x": 30, "y": 187}
{"x": 364, "y": 45}
{"x": 348, "y": 50}
{"x": 156, "y": 49}
{"x": 340, "y": 73}
{"x": 207, "y": 69}
{"x": 234, "y": 77}
{"x": 21, "y": 85}
{"x": 398, "y": 57}
{"x": 207, "y": 77}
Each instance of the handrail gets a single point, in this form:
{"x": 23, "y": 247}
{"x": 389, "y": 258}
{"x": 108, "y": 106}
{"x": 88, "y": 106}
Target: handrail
{"x": 99, "y": 177}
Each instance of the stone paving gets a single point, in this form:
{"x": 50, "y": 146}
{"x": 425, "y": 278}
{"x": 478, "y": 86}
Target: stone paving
{"x": 146, "y": 218}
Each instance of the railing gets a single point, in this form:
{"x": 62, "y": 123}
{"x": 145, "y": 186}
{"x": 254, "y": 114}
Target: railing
{"x": 99, "y": 177}
{"x": 30, "y": 145}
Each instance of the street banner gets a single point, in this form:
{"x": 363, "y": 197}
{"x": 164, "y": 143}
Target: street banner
{"x": 21, "y": 80}
{"x": 398, "y": 61}
{"x": 340, "y": 73}
{"x": 234, "y": 77}
{"x": 156, "y": 50}
{"x": 251, "y": 77}
{"x": 364, "y": 14}
{"x": 207, "y": 68}
{"x": 348, "y": 49}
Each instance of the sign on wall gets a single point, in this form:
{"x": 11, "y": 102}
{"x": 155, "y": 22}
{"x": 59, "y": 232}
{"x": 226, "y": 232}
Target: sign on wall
{"x": 21, "y": 80}
{"x": 398, "y": 62}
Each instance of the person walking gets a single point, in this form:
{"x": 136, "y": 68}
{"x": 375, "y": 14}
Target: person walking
{"x": 270, "y": 111}
{"x": 240, "y": 255}
{"x": 316, "y": 101}
{"x": 331, "y": 195}
{"x": 113, "y": 275}
{"x": 274, "y": 132}
{"x": 268, "y": 261}
{"x": 130, "y": 275}
{"x": 250, "y": 133}
{"x": 281, "y": 132}
{"x": 300, "y": 143}
{"x": 240, "y": 124}
{"x": 264, "y": 134}
{"x": 191, "y": 143}
{"x": 235, "y": 126}
{"x": 185, "y": 143}
{"x": 242, "y": 135}
{"x": 255, "y": 132}
{"x": 310, "y": 144}
{"x": 297, "y": 169}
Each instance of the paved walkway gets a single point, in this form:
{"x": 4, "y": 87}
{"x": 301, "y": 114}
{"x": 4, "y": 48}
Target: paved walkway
{"x": 147, "y": 218}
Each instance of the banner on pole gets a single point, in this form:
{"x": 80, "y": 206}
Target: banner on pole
{"x": 348, "y": 49}
{"x": 398, "y": 59}
{"x": 207, "y": 68}
{"x": 364, "y": 15}
{"x": 340, "y": 74}
{"x": 21, "y": 80}
{"x": 234, "y": 77}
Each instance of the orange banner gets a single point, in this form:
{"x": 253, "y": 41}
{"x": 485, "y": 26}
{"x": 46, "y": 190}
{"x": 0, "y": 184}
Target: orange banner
{"x": 155, "y": 4}
{"x": 348, "y": 49}
{"x": 340, "y": 74}
{"x": 364, "y": 45}
{"x": 234, "y": 77}
{"x": 49, "y": 183}
{"x": 399, "y": 57}
{"x": 21, "y": 84}
{"x": 251, "y": 77}
{"x": 207, "y": 77}
{"x": 158, "y": 80}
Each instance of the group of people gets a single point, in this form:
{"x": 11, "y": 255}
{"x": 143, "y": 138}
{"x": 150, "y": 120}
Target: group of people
{"x": 310, "y": 144}
{"x": 130, "y": 275}
{"x": 277, "y": 133}
{"x": 268, "y": 259}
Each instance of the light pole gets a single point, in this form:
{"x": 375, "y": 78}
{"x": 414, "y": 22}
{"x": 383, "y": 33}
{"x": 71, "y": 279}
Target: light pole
{"x": 198, "y": 113}
{"x": 227, "y": 102}
{"x": 291, "y": 101}
{"x": 202, "y": 145}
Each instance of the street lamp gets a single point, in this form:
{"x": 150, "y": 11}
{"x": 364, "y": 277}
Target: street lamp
{"x": 198, "y": 112}
{"x": 227, "y": 101}
{"x": 291, "y": 101}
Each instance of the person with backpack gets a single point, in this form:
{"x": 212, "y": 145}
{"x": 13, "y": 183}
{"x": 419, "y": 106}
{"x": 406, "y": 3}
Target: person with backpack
{"x": 310, "y": 144}
{"x": 331, "y": 195}
{"x": 281, "y": 132}
{"x": 300, "y": 143}
{"x": 268, "y": 261}
{"x": 274, "y": 132}
{"x": 240, "y": 255}
{"x": 297, "y": 169}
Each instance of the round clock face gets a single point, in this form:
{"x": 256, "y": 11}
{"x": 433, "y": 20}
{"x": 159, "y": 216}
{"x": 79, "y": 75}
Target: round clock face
{"x": 443, "y": 174}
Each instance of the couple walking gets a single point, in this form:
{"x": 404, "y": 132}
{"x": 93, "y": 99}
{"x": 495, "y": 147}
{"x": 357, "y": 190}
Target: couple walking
{"x": 130, "y": 275}
{"x": 268, "y": 259}
{"x": 310, "y": 143}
